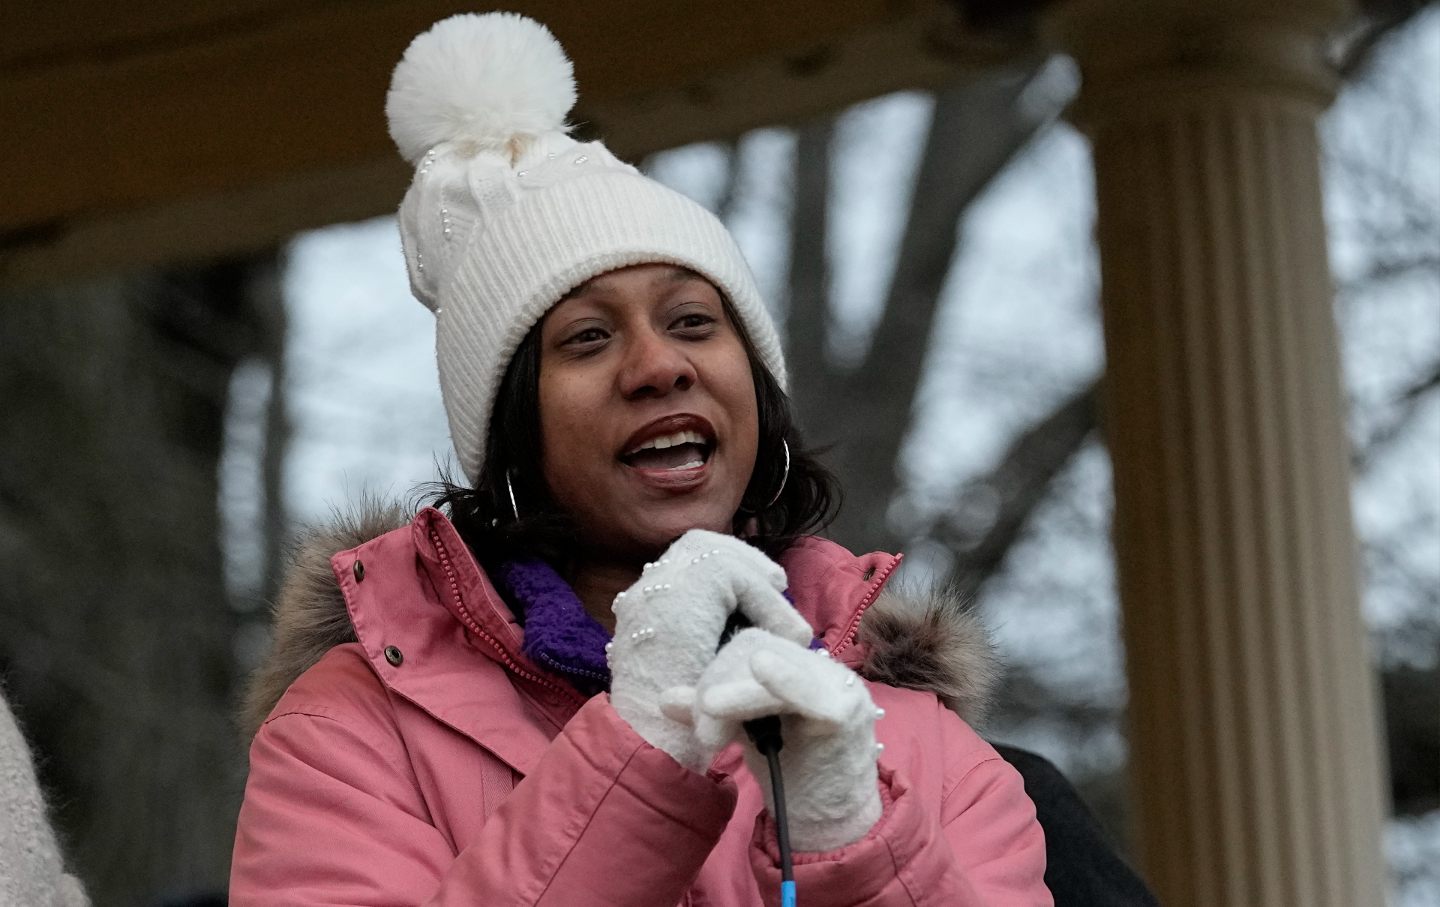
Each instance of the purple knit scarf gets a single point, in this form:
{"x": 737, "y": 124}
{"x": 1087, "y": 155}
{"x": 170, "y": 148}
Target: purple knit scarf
{"x": 559, "y": 633}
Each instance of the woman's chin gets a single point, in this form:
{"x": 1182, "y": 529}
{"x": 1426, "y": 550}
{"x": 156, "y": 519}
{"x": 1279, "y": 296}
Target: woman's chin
{"x": 650, "y": 530}
{"x": 659, "y": 533}
{"x": 668, "y": 503}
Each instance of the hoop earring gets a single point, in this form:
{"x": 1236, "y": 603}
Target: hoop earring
{"x": 511, "y": 488}
{"x": 783, "y": 476}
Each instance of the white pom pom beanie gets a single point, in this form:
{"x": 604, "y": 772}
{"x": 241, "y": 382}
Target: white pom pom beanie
{"x": 507, "y": 213}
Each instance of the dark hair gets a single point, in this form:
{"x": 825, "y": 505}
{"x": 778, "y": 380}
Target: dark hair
{"x": 485, "y": 520}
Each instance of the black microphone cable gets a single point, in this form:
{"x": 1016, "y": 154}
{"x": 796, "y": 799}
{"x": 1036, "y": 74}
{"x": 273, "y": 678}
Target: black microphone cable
{"x": 765, "y": 734}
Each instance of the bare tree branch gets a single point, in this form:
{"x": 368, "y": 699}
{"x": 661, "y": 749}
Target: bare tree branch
{"x": 730, "y": 190}
{"x": 1018, "y": 484}
{"x": 1406, "y": 403}
{"x": 976, "y": 130}
{"x": 1381, "y": 19}
{"x": 809, "y": 289}
{"x": 269, "y": 305}
{"x": 1391, "y": 268}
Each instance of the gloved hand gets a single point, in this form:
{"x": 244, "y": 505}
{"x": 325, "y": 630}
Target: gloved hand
{"x": 668, "y": 625}
{"x": 827, "y": 722}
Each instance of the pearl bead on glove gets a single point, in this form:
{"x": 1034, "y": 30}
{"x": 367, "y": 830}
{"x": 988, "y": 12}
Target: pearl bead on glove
{"x": 668, "y": 626}
{"x": 827, "y": 721}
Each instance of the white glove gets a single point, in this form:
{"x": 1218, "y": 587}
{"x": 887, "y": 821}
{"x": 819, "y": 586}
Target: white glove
{"x": 827, "y": 722}
{"x": 668, "y": 626}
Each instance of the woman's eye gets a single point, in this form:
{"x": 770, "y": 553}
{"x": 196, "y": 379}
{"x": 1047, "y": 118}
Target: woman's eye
{"x": 589, "y": 335}
{"x": 694, "y": 322}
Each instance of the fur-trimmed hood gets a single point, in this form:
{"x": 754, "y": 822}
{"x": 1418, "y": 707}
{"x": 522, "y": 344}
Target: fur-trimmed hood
{"x": 927, "y": 641}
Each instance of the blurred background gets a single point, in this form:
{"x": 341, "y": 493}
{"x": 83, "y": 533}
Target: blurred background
{"x": 188, "y": 376}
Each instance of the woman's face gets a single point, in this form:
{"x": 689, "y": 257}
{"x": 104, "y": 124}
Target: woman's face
{"x": 648, "y": 420}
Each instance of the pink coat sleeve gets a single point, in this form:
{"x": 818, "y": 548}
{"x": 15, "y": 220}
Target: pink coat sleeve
{"x": 982, "y": 848}
{"x": 332, "y": 816}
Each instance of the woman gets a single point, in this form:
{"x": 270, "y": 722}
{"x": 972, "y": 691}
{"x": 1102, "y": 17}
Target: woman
{"x": 449, "y": 718}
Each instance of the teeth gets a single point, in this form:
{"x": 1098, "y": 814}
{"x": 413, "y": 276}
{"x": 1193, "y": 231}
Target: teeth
{"x": 664, "y": 441}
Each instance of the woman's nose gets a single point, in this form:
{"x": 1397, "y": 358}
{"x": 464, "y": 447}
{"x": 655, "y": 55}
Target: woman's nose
{"x": 654, "y": 365}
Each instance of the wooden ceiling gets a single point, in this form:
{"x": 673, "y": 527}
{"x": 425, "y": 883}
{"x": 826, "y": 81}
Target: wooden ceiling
{"x": 157, "y": 131}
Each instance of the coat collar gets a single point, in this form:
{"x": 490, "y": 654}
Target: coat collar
{"x": 437, "y": 634}
{"x": 418, "y": 590}
{"x": 833, "y": 589}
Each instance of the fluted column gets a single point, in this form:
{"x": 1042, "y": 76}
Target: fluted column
{"x": 1254, "y": 733}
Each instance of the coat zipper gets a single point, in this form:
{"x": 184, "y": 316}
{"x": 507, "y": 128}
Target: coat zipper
{"x": 853, "y": 628}
{"x": 474, "y": 627}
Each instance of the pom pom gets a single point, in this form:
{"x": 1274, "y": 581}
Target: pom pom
{"x": 484, "y": 79}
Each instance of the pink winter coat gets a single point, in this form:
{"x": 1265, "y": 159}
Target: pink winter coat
{"x": 429, "y": 762}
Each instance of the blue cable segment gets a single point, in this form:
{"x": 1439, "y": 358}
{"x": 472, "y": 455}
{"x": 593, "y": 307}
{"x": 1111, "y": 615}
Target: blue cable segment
{"x": 787, "y": 894}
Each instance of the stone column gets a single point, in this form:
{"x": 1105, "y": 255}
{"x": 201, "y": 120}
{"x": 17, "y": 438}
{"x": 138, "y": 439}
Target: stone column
{"x": 1254, "y": 731}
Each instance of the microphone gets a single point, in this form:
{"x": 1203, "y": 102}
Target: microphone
{"x": 763, "y": 732}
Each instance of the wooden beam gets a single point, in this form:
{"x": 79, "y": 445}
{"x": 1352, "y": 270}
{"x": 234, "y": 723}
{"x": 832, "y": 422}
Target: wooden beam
{"x": 200, "y": 130}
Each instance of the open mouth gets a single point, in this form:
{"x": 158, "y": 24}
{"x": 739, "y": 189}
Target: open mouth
{"x": 686, "y": 449}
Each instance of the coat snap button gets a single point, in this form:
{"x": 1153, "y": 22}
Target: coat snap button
{"x": 394, "y": 655}
{"x": 359, "y": 571}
